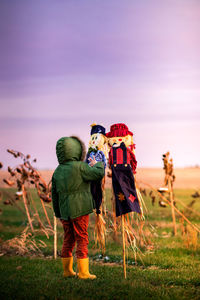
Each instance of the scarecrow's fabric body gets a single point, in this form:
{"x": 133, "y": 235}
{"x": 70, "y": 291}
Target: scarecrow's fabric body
{"x": 119, "y": 158}
{"x": 122, "y": 160}
{"x": 71, "y": 195}
{"x": 98, "y": 155}
{"x": 96, "y": 189}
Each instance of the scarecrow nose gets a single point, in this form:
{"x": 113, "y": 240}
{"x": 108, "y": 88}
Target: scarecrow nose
{"x": 120, "y": 140}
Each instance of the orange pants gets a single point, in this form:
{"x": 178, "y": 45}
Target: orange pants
{"x": 75, "y": 231}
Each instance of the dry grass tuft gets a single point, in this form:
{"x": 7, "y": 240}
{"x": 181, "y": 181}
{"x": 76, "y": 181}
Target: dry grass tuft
{"x": 191, "y": 237}
{"x": 24, "y": 244}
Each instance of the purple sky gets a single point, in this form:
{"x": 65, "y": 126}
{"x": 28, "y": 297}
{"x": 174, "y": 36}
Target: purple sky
{"x": 65, "y": 64}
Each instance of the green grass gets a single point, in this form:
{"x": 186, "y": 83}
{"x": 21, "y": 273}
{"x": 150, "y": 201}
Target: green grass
{"x": 171, "y": 271}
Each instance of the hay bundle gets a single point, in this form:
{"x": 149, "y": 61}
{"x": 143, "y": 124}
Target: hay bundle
{"x": 100, "y": 232}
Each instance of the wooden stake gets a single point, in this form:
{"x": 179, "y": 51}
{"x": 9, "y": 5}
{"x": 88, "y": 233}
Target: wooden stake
{"x": 114, "y": 215}
{"x": 26, "y": 207}
{"x": 188, "y": 208}
{"x": 55, "y": 237}
{"x": 43, "y": 206}
{"x": 103, "y": 196}
{"x": 46, "y": 215}
{"x": 124, "y": 247}
{"x": 172, "y": 205}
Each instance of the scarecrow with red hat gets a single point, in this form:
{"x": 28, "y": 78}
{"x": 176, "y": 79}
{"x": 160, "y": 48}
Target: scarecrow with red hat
{"x": 123, "y": 164}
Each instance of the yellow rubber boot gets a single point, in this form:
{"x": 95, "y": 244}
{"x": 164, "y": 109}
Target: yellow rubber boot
{"x": 68, "y": 266}
{"x": 83, "y": 268}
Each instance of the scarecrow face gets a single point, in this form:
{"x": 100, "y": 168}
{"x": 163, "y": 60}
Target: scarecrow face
{"x": 118, "y": 140}
{"x": 127, "y": 140}
{"x": 97, "y": 140}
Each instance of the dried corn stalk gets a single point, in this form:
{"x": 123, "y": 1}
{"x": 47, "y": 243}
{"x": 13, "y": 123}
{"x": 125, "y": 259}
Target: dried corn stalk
{"x": 25, "y": 175}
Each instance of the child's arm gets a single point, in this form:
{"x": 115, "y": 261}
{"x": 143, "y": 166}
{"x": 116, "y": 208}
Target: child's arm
{"x": 55, "y": 199}
{"x": 92, "y": 173}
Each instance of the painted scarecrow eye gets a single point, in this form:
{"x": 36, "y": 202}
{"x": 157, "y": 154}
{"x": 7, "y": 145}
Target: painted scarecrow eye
{"x": 92, "y": 138}
{"x": 96, "y": 138}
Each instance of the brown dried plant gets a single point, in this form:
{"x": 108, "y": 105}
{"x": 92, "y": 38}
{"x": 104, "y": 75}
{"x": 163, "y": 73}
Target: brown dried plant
{"x": 23, "y": 176}
{"x": 169, "y": 169}
{"x": 22, "y": 244}
{"x": 191, "y": 237}
{"x": 100, "y": 232}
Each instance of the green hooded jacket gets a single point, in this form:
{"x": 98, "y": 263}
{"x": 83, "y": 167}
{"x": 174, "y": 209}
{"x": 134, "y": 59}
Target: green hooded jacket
{"x": 71, "y": 194}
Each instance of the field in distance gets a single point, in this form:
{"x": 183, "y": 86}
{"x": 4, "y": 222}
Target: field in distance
{"x": 185, "y": 177}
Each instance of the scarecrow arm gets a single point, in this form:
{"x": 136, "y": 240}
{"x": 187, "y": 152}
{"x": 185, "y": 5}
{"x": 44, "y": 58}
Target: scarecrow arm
{"x": 133, "y": 161}
{"x": 103, "y": 157}
{"x": 110, "y": 160}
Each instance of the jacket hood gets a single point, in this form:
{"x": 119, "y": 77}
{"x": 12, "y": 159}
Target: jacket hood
{"x": 70, "y": 149}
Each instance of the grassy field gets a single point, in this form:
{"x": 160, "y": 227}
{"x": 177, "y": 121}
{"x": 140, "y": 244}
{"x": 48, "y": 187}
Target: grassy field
{"x": 185, "y": 177}
{"x": 170, "y": 271}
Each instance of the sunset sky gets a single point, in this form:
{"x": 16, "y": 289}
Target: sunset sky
{"x": 66, "y": 64}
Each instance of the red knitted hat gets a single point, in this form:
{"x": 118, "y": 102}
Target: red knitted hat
{"x": 119, "y": 129}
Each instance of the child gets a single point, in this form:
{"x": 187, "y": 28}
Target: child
{"x": 72, "y": 201}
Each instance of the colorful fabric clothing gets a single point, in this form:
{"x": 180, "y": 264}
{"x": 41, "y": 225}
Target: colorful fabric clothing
{"x": 119, "y": 129}
{"x": 130, "y": 157}
{"x": 71, "y": 195}
{"x": 123, "y": 181}
{"x": 98, "y": 155}
{"x": 75, "y": 231}
{"x": 96, "y": 188}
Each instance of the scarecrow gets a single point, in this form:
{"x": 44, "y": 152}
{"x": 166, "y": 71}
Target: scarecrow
{"x": 97, "y": 150}
{"x": 123, "y": 164}
{"x": 96, "y": 146}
